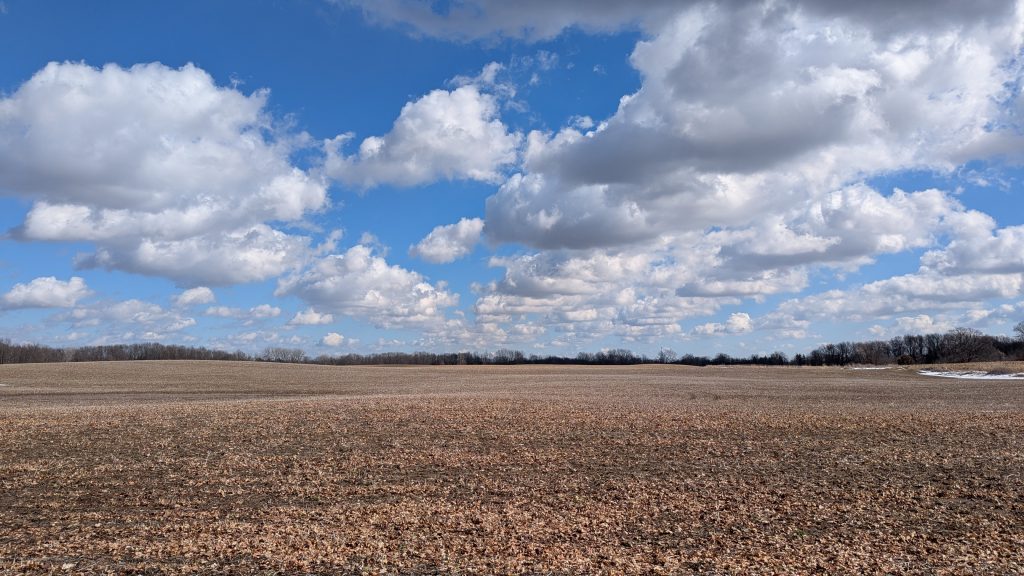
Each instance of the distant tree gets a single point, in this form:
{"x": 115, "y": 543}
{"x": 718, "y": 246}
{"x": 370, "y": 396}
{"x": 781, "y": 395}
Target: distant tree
{"x": 276, "y": 354}
{"x": 932, "y": 347}
{"x": 585, "y": 358}
{"x": 691, "y": 360}
{"x": 875, "y": 352}
{"x": 967, "y": 345}
{"x": 667, "y": 356}
{"x": 899, "y": 346}
{"x": 1018, "y": 331}
{"x": 506, "y": 356}
{"x": 722, "y": 359}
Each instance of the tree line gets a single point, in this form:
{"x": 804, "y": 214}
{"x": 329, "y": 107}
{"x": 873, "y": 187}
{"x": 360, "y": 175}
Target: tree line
{"x": 34, "y": 353}
{"x": 956, "y": 346}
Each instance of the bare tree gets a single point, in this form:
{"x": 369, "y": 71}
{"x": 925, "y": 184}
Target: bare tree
{"x": 506, "y": 356}
{"x": 1018, "y": 330}
{"x": 967, "y": 345}
{"x": 277, "y": 354}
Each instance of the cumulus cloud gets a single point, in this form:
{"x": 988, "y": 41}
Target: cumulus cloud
{"x": 738, "y": 168}
{"x": 237, "y": 256}
{"x": 1000, "y": 317}
{"x": 265, "y": 311}
{"x": 933, "y": 288}
{"x": 449, "y": 243}
{"x": 154, "y": 165}
{"x": 647, "y": 288}
{"x": 332, "y": 339}
{"x": 223, "y": 311}
{"x": 844, "y": 228}
{"x": 193, "y": 296}
{"x": 738, "y": 323}
{"x": 453, "y": 135}
{"x": 46, "y": 292}
{"x": 128, "y": 320}
{"x": 362, "y": 284}
{"x": 310, "y": 317}
{"x": 586, "y": 295}
{"x": 782, "y": 115}
{"x": 736, "y": 171}
{"x": 921, "y": 324}
{"x": 253, "y": 339}
{"x": 904, "y": 296}
{"x": 260, "y": 312}
{"x": 535, "y": 20}
{"x": 980, "y": 248}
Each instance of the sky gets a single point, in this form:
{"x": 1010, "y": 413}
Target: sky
{"x": 551, "y": 176}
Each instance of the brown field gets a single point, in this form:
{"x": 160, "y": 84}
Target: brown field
{"x": 205, "y": 468}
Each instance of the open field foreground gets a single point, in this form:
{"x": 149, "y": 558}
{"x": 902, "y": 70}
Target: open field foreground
{"x": 182, "y": 467}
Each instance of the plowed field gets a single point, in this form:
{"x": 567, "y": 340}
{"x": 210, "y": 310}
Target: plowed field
{"x": 209, "y": 468}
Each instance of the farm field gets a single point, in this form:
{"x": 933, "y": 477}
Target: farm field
{"x": 248, "y": 468}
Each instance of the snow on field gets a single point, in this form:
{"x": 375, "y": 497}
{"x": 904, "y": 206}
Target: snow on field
{"x": 971, "y": 375}
{"x": 870, "y": 368}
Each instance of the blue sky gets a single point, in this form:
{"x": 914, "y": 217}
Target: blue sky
{"x": 550, "y": 176}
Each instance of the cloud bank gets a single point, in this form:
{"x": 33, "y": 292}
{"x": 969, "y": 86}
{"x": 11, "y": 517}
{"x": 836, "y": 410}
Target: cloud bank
{"x": 154, "y": 165}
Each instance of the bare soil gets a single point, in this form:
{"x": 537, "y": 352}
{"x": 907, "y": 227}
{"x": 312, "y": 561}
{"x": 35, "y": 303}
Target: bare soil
{"x": 210, "y": 468}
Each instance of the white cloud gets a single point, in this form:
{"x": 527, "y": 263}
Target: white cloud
{"x": 980, "y": 248}
{"x": 193, "y": 296}
{"x": 46, "y": 292}
{"x": 252, "y": 338}
{"x": 742, "y": 183}
{"x": 921, "y": 324}
{"x": 487, "y": 81}
{"x": 449, "y": 243}
{"x": 454, "y": 135}
{"x": 358, "y": 283}
{"x": 736, "y": 171}
{"x": 260, "y": 312}
{"x": 223, "y": 311}
{"x": 846, "y": 228}
{"x": 238, "y": 256}
{"x": 738, "y": 323}
{"x": 128, "y": 320}
{"x": 945, "y": 321}
{"x": 905, "y": 296}
{"x": 265, "y": 311}
{"x": 587, "y": 294}
{"x": 535, "y": 20}
{"x": 332, "y": 339}
{"x": 151, "y": 162}
{"x": 311, "y": 317}
{"x": 783, "y": 114}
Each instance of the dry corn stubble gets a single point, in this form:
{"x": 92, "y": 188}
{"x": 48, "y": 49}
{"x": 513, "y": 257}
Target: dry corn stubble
{"x": 212, "y": 467}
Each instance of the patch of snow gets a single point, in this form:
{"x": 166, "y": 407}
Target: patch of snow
{"x": 870, "y": 368}
{"x": 972, "y": 375}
